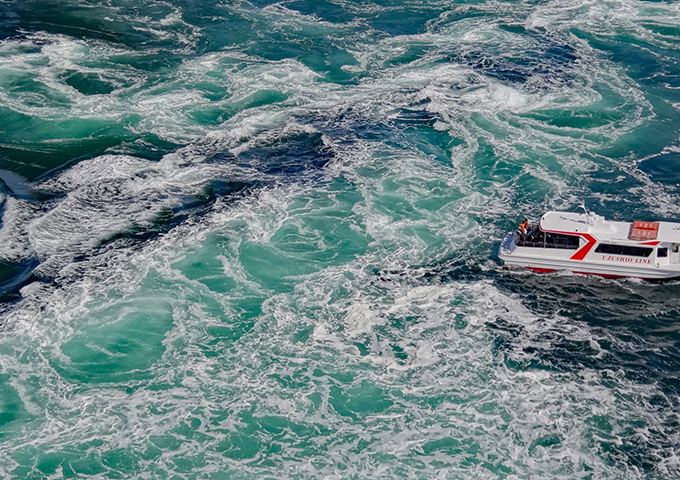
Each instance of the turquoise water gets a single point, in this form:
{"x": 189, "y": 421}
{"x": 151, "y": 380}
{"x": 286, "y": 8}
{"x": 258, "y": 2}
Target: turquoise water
{"x": 258, "y": 239}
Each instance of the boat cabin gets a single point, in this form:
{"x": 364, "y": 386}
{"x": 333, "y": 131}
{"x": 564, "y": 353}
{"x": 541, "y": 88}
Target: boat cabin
{"x": 573, "y": 231}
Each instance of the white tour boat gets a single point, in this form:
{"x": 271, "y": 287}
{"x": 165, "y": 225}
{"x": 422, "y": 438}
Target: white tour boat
{"x": 587, "y": 243}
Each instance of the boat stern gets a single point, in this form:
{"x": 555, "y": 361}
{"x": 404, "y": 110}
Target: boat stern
{"x": 508, "y": 245}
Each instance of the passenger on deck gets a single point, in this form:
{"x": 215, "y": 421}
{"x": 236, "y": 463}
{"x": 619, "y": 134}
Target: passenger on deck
{"x": 524, "y": 228}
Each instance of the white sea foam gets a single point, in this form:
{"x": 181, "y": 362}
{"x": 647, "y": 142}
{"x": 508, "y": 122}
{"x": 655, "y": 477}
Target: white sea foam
{"x": 382, "y": 362}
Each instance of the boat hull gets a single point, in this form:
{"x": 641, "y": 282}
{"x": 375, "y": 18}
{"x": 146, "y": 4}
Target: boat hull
{"x": 542, "y": 261}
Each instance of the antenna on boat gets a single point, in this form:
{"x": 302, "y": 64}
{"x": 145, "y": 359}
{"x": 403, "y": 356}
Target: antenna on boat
{"x": 583, "y": 206}
{"x": 589, "y": 220}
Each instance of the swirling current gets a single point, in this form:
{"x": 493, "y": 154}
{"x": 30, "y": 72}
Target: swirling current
{"x": 257, "y": 239}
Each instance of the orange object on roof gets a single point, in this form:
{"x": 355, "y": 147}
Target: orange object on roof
{"x": 644, "y": 230}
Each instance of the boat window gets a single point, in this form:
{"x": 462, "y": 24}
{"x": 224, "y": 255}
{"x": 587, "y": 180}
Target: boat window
{"x": 560, "y": 240}
{"x": 662, "y": 252}
{"x": 624, "y": 250}
{"x": 540, "y": 239}
{"x": 675, "y": 248}
{"x": 533, "y": 238}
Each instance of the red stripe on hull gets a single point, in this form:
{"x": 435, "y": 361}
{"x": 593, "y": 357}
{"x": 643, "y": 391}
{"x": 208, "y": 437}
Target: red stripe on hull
{"x": 541, "y": 270}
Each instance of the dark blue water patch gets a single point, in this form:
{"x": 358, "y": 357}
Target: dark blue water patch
{"x": 621, "y": 303}
{"x": 629, "y": 319}
{"x": 630, "y": 329}
{"x": 14, "y": 185}
{"x": 460, "y": 267}
{"x": 412, "y": 127}
{"x": 663, "y": 169}
{"x": 550, "y": 63}
{"x": 9, "y": 21}
{"x": 13, "y": 277}
{"x": 350, "y": 124}
{"x": 296, "y": 155}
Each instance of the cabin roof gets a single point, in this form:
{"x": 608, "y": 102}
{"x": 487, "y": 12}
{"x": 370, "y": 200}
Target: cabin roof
{"x": 603, "y": 230}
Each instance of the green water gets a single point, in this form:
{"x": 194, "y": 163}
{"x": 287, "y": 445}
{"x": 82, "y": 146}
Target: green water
{"x": 258, "y": 239}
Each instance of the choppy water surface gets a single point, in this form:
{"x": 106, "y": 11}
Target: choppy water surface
{"x": 257, "y": 239}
